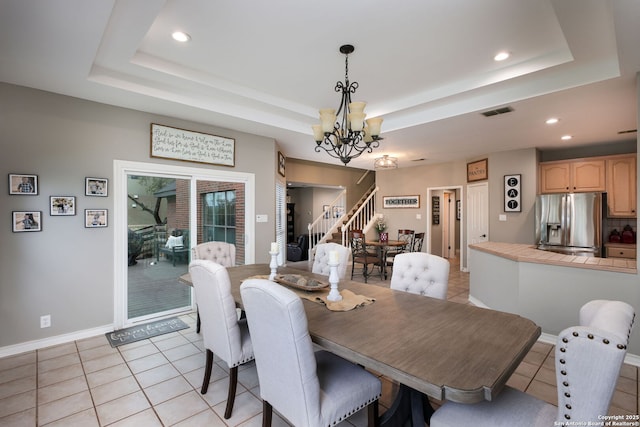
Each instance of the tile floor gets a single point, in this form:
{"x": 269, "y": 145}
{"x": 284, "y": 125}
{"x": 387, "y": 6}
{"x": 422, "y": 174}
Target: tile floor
{"x": 156, "y": 382}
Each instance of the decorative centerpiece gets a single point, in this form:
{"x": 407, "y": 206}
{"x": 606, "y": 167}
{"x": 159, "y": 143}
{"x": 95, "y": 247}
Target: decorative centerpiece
{"x": 381, "y": 226}
{"x": 274, "y": 260}
{"x": 334, "y": 262}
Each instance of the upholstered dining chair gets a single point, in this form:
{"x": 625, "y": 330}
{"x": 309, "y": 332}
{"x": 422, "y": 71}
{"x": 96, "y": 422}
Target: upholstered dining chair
{"x": 309, "y": 388}
{"x": 421, "y": 273}
{"x": 321, "y": 259}
{"x": 222, "y": 253}
{"x": 588, "y": 361}
{"x": 360, "y": 254}
{"x": 223, "y": 334}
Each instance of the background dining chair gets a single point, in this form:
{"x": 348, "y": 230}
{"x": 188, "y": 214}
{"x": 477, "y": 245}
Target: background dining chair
{"x": 418, "y": 239}
{"x": 588, "y": 361}
{"x": 361, "y": 255}
{"x": 421, "y": 273}
{"x": 222, "y": 253}
{"x": 406, "y": 236}
{"x": 321, "y": 259}
{"x": 223, "y": 334}
{"x": 308, "y": 388}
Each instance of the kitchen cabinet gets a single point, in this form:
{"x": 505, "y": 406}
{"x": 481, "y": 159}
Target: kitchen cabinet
{"x": 573, "y": 176}
{"x": 621, "y": 186}
{"x": 620, "y": 250}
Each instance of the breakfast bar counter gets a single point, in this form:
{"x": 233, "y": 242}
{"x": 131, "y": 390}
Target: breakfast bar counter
{"x": 528, "y": 253}
{"x": 547, "y": 287}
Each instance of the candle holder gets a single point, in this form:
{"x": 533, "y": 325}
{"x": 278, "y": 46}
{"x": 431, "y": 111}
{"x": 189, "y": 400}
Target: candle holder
{"x": 334, "y": 294}
{"x": 273, "y": 265}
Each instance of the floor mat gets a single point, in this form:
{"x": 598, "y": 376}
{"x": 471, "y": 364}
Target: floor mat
{"x": 147, "y": 330}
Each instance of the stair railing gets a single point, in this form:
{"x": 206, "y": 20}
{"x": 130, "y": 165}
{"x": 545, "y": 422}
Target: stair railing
{"x": 363, "y": 218}
{"x": 327, "y": 222}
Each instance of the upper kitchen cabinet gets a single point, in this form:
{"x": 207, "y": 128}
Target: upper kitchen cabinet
{"x": 621, "y": 186}
{"x": 574, "y": 176}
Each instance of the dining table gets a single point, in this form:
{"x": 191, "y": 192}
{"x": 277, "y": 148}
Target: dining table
{"x": 430, "y": 347}
{"x": 383, "y": 247}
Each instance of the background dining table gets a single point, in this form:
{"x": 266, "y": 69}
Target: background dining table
{"x": 437, "y": 348}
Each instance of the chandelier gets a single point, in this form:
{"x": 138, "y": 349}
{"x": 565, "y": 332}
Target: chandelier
{"x": 352, "y": 135}
{"x": 386, "y": 162}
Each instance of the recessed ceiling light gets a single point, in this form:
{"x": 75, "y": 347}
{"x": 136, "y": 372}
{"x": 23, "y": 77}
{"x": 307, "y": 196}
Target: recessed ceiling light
{"x": 552, "y": 121}
{"x": 181, "y": 37}
{"x": 501, "y": 56}
{"x": 566, "y": 137}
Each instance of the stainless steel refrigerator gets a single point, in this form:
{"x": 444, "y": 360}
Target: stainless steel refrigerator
{"x": 570, "y": 223}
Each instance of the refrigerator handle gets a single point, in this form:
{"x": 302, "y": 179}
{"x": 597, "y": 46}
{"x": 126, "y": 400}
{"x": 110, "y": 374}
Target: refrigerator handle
{"x": 567, "y": 218}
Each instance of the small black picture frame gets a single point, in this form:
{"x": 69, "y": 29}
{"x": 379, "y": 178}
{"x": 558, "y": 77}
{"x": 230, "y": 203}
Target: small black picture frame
{"x": 97, "y": 187}
{"x": 95, "y": 218}
{"x": 26, "y": 221}
{"x": 62, "y": 205}
{"x": 23, "y": 184}
{"x": 281, "y": 163}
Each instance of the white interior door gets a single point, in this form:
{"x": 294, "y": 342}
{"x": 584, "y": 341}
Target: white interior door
{"x": 477, "y": 214}
{"x": 446, "y": 225}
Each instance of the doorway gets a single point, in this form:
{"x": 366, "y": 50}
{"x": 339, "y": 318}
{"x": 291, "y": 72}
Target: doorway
{"x": 478, "y": 214}
{"x": 161, "y": 213}
{"x": 444, "y": 225}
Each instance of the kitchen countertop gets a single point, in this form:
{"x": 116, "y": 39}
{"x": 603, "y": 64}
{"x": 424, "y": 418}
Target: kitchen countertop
{"x": 528, "y": 253}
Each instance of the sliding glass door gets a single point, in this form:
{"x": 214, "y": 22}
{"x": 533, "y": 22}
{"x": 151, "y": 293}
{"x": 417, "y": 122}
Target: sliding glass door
{"x": 161, "y": 214}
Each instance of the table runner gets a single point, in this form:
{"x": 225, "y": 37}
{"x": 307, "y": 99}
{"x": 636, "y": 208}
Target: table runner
{"x": 349, "y": 300}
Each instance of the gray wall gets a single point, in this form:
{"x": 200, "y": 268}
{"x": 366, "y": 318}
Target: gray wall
{"x": 65, "y": 270}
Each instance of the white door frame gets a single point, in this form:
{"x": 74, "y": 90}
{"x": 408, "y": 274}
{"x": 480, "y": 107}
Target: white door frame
{"x": 428, "y": 209}
{"x": 122, "y": 168}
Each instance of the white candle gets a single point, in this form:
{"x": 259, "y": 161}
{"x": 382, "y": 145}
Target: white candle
{"x": 274, "y": 247}
{"x": 333, "y": 257}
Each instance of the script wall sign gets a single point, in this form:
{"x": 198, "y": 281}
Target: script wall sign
{"x": 181, "y": 144}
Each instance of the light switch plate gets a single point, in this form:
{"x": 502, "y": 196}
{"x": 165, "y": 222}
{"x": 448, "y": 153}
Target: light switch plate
{"x": 502, "y": 217}
{"x": 262, "y": 218}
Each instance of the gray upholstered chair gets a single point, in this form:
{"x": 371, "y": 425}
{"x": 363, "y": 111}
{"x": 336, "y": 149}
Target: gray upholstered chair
{"x": 223, "y": 334}
{"x": 588, "y": 362}
{"x": 421, "y": 273}
{"x": 308, "y": 388}
{"x": 321, "y": 259}
{"x": 222, "y": 253}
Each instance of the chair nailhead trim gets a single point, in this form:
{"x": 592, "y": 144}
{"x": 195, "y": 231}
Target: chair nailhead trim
{"x": 606, "y": 341}
{"x": 590, "y": 336}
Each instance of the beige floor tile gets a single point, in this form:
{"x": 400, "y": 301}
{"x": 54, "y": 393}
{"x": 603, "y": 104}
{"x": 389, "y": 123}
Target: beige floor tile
{"x": 122, "y": 407}
{"x": 181, "y": 408}
{"x": 57, "y": 351}
{"x": 134, "y": 353}
{"x": 62, "y": 389}
{"x": 167, "y": 390}
{"x": 519, "y": 382}
{"x": 61, "y": 374}
{"x": 12, "y": 362}
{"x": 64, "y": 407}
{"x": 97, "y": 352}
{"x": 190, "y": 363}
{"x": 205, "y": 418}
{"x": 146, "y": 418}
{"x": 181, "y": 352}
{"x": 17, "y": 403}
{"x": 146, "y": 363}
{"x": 176, "y": 340}
{"x": 156, "y": 375}
{"x": 88, "y": 343}
{"x": 625, "y": 401}
{"x": 543, "y": 391}
{"x": 17, "y": 386}
{"x": 547, "y": 376}
{"x": 58, "y": 362}
{"x": 18, "y": 372}
{"x": 86, "y": 418}
{"x": 105, "y": 376}
{"x": 218, "y": 390}
{"x": 21, "y": 419}
{"x": 103, "y": 362}
{"x": 246, "y": 406}
{"x": 114, "y": 390}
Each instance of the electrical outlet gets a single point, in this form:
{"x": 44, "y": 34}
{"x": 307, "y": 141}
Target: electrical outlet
{"x": 45, "y": 321}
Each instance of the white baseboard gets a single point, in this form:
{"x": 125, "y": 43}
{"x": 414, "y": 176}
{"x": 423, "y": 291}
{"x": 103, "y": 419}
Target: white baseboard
{"x": 12, "y": 350}
{"x": 630, "y": 359}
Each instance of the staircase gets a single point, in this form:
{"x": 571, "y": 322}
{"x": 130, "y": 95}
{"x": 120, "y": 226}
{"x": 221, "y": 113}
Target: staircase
{"x": 361, "y": 217}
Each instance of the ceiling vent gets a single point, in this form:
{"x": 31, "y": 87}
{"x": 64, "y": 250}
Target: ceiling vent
{"x": 497, "y": 111}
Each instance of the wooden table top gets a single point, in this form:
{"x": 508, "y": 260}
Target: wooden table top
{"x": 446, "y": 350}
{"x": 386, "y": 243}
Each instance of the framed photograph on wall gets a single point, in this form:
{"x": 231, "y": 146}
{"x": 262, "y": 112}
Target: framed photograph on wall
{"x": 62, "y": 205}
{"x": 95, "y": 218}
{"x": 24, "y": 221}
{"x": 23, "y": 185}
{"x": 96, "y": 187}
{"x": 281, "y": 163}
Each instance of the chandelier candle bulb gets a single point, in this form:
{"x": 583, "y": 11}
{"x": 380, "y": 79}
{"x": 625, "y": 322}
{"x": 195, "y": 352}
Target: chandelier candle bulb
{"x": 357, "y": 121}
{"x": 274, "y": 247}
